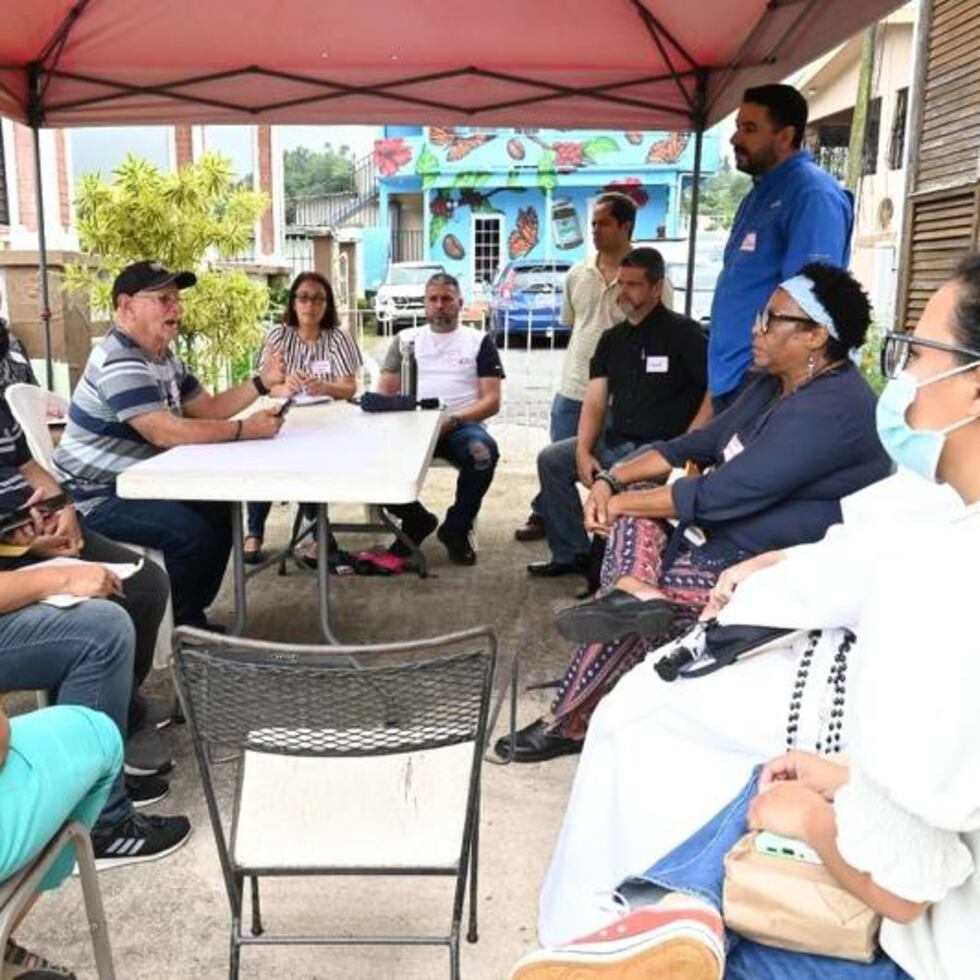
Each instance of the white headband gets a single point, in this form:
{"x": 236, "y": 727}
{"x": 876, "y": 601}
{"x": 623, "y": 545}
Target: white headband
{"x": 800, "y": 287}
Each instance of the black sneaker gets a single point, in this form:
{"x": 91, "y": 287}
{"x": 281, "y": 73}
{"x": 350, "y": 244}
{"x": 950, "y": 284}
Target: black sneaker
{"x": 458, "y": 546}
{"x": 144, "y": 790}
{"x": 138, "y": 838}
{"x": 416, "y": 531}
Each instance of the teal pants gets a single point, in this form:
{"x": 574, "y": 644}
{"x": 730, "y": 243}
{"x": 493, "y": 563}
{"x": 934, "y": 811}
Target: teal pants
{"x": 61, "y": 764}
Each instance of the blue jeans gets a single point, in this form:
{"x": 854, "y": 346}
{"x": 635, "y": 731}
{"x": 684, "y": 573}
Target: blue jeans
{"x": 194, "y": 536}
{"x": 472, "y": 450}
{"x": 62, "y": 764}
{"x": 697, "y": 867}
{"x": 561, "y": 507}
{"x": 565, "y": 414}
{"x": 84, "y": 654}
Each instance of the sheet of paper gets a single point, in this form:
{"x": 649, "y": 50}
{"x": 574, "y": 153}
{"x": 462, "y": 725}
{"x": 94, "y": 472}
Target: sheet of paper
{"x": 123, "y": 570}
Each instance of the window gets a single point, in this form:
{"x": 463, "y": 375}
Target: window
{"x": 486, "y": 248}
{"x": 4, "y": 205}
{"x": 828, "y": 142}
{"x": 896, "y": 145}
{"x": 872, "y": 132}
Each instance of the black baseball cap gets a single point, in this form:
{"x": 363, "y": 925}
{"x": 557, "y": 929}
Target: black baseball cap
{"x": 148, "y": 275}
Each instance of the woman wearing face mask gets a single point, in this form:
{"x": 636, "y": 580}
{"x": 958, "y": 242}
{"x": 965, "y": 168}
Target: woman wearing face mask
{"x": 898, "y": 826}
{"x": 320, "y": 359}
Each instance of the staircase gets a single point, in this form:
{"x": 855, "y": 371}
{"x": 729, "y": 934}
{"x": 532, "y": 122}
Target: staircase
{"x": 359, "y": 205}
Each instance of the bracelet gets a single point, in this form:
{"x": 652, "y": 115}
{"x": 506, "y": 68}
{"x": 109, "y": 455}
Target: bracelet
{"x": 259, "y": 384}
{"x": 238, "y": 430}
{"x": 615, "y": 485}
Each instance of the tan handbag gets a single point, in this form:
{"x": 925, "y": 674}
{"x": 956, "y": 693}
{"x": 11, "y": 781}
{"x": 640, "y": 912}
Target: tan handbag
{"x": 795, "y": 905}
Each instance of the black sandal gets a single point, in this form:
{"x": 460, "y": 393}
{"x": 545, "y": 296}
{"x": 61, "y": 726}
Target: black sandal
{"x": 255, "y": 555}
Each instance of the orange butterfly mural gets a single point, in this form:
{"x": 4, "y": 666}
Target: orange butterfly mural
{"x": 524, "y": 236}
{"x": 458, "y": 146}
{"x": 668, "y": 149}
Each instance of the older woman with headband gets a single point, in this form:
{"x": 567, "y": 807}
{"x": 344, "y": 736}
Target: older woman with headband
{"x": 800, "y": 437}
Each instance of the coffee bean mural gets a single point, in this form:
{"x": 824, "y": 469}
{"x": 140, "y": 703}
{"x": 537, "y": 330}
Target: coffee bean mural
{"x": 453, "y": 247}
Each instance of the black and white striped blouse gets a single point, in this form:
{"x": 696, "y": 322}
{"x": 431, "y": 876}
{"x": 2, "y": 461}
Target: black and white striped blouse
{"x": 331, "y": 356}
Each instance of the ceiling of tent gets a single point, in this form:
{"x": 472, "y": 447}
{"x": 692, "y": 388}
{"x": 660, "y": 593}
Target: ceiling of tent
{"x": 637, "y": 64}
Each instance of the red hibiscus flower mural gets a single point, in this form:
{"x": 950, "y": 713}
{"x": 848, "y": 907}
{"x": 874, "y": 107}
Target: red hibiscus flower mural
{"x": 632, "y": 187}
{"x": 391, "y": 154}
{"x": 568, "y": 154}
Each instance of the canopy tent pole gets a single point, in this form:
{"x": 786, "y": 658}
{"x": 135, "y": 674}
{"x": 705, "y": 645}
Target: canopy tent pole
{"x": 42, "y": 246}
{"x": 698, "y": 120}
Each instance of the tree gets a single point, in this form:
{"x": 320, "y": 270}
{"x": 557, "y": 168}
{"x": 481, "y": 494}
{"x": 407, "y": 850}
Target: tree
{"x": 720, "y": 196}
{"x": 186, "y": 220}
{"x": 310, "y": 172}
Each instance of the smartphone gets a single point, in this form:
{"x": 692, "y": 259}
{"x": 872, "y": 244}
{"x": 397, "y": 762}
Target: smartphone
{"x": 786, "y": 847}
{"x": 22, "y": 515}
{"x": 286, "y": 406}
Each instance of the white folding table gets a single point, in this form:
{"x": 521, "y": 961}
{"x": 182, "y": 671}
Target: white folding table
{"x": 325, "y": 453}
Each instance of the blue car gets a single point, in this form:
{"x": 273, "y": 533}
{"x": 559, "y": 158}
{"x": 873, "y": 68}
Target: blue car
{"x": 527, "y": 296}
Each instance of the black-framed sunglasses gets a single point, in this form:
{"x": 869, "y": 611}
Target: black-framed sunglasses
{"x": 764, "y": 319}
{"x": 896, "y": 347}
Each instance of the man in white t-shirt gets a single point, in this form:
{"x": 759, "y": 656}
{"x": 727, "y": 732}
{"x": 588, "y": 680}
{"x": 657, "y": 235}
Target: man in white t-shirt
{"x": 461, "y": 367}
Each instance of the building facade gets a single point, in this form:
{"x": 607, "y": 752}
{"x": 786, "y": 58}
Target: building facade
{"x": 474, "y": 199}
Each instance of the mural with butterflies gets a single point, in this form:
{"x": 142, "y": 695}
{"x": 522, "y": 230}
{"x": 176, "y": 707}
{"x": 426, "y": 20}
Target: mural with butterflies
{"x": 535, "y": 185}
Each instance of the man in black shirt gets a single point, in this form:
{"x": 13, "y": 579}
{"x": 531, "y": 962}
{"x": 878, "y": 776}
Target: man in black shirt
{"x": 647, "y": 381}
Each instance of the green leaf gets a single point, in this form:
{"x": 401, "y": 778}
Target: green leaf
{"x": 427, "y": 166}
{"x": 513, "y": 179}
{"x": 436, "y": 225}
{"x": 547, "y": 175}
{"x": 471, "y": 178}
{"x": 600, "y": 144}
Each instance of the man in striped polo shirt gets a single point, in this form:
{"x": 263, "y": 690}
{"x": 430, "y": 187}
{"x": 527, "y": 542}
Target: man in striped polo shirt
{"x": 136, "y": 398}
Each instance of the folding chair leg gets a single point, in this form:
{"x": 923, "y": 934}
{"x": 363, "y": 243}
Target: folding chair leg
{"x": 293, "y": 540}
{"x": 93, "y": 902}
{"x": 256, "y": 912}
{"x": 454, "y": 958}
{"x": 471, "y": 935}
{"x": 234, "y": 957}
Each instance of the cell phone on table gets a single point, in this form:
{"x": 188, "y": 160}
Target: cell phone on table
{"x": 23, "y": 516}
{"x": 779, "y": 846}
{"x": 286, "y": 406}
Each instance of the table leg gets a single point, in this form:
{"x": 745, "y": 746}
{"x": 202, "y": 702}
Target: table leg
{"x": 238, "y": 567}
{"x": 323, "y": 571}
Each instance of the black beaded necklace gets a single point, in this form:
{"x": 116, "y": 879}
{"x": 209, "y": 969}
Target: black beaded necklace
{"x": 835, "y": 692}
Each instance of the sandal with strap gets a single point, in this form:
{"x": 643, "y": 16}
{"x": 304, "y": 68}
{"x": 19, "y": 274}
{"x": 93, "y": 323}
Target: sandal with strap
{"x": 20, "y": 962}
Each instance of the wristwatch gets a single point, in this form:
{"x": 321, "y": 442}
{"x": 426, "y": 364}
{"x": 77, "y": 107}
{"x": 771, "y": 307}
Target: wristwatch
{"x": 260, "y": 385}
{"x": 615, "y": 485}
{"x": 454, "y": 421}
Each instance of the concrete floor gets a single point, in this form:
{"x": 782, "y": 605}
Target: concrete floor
{"x": 168, "y": 920}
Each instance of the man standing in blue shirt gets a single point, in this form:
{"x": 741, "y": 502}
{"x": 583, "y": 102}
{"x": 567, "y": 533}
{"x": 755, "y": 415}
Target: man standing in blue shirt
{"x": 794, "y": 214}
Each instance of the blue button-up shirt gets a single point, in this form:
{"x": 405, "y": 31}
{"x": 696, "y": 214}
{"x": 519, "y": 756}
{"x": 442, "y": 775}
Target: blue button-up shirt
{"x": 796, "y": 213}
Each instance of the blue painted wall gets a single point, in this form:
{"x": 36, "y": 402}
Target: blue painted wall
{"x": 539, "y": 182}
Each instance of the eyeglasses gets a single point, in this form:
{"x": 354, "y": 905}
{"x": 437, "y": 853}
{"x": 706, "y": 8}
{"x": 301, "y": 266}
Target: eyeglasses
{"x": 896, "y": 350}
{"x": 161, "y": 299}
{"x": 315, "y": 298}
{"x": 764, "y": 318}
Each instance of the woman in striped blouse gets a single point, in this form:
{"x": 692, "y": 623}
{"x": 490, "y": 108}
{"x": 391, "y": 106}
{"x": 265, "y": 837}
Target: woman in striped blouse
{"x": 320, "y": 358}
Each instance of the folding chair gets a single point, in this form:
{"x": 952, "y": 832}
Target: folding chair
{"x": 28, "y": 405}
{"x": 17, "y": 892}
{"x": 351, "y": 761}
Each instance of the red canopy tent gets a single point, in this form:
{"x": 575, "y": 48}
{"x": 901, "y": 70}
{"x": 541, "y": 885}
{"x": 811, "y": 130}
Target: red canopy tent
{"x": 634, "y": 64}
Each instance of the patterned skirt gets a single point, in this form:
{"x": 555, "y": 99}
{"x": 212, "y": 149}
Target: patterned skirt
{"x": 635, "y": 548}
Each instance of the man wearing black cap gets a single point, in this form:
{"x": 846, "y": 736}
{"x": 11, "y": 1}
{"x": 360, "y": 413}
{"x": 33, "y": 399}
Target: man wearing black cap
{"x": 137, "y": 398}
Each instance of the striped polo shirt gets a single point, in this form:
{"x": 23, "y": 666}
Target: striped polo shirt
{"x": 332, "y": 355}
{"x": 14, "y": 489}
{"x": 120, "y": 382}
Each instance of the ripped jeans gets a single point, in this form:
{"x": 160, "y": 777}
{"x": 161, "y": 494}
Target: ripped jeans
{"x": 472, "y": 450}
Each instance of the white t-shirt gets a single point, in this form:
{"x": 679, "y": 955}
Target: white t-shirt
{"x": 450, "y": 365}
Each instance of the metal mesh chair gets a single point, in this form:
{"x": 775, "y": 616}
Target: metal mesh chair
{"x": 358, "y": 761}
{"x": 18, "y": 891}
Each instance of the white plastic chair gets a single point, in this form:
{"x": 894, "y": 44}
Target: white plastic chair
{"x": 29, "y": 406}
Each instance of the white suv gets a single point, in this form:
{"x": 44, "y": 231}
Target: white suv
{"x": 400, "y": 301}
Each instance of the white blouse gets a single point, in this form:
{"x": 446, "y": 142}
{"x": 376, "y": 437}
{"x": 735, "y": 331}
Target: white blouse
{"x": 910, "y": 814}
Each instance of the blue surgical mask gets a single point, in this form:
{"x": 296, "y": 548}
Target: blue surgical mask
{"x": 917, "y": 450}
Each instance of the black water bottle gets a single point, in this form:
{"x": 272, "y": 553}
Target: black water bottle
{"x": 410, "y": 372}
